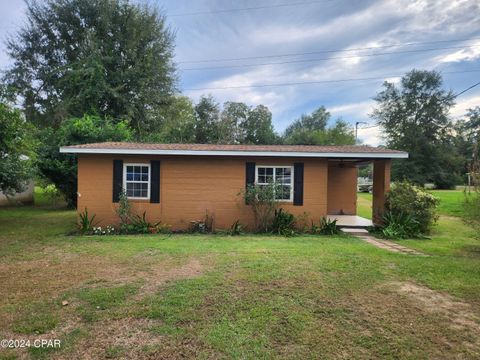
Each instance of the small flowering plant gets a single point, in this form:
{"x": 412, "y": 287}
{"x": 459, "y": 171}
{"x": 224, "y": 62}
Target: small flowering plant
{"x": 107, "y": 230}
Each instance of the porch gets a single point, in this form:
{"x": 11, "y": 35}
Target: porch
{"x": 342, "y": 191}
{"x": 350, "y": 221}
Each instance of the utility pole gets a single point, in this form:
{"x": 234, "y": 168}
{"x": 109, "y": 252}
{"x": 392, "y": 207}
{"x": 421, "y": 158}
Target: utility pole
{"x": 356, "y": 128}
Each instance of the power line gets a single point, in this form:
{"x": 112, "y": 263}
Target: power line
{"x": 467, "y": 89}
{"x": 325, "y": 59}
{"x": 314, "y": 82}
{"x": 251, "y": 8}
{"x": 451, "y": 98}
{"x": 325, "y": 51}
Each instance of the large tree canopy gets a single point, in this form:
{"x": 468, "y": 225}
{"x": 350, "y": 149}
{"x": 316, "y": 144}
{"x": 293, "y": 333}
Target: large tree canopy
{"x": 317, "y": 120}
{"x": 106, "y": 57}
{"x": 16, "y": 153}
{"x": 312, "y": 129}
{"x": 61, "y": 169}
{"x": 415, "y": 118}
{"x": 236, "y": 123}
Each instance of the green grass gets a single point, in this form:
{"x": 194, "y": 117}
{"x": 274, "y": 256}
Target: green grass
{"x": 245, "y": 297}
{"x": 451, "y": 203}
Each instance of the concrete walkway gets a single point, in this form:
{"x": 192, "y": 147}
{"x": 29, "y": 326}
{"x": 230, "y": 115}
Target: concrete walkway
{"x": 363, "y": 234}
{"x": 389, "y": 245}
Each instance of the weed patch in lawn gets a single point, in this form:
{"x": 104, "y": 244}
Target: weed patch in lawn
{"x": 36, "y": 318}
{"x": 103, "y": 298}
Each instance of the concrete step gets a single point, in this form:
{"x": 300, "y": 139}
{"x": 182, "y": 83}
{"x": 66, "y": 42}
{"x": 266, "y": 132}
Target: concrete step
{"x": 354, "y": 231}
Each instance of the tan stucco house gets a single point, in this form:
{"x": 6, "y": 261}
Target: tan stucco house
{"x": 178, "y": 183}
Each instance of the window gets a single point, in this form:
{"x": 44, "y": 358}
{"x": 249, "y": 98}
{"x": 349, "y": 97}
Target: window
{"x": 281, "y": 175}
{"x": 136, "y": 181}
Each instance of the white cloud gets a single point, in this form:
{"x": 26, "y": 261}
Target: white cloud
{"x": 371, "y": 136}
{"x": 460, "y": 109}
{"x": 359, "y": 108}
{"x": 467, "y": 54}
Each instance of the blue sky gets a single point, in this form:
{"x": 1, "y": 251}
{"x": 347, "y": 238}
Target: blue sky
{"x": 314, "y": 26}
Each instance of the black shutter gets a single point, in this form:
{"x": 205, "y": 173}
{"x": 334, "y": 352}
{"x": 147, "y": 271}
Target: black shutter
{"x": 155, "y": 181}
{"x": 117, "y": 179}
{"x": 298, "y": 184}
{"x": 249, "y": 175}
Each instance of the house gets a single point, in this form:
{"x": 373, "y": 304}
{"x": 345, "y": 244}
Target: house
{"x": 178, "y": 183}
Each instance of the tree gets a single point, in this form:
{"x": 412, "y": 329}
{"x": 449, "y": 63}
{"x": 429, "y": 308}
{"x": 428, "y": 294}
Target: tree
{"x": 242, "y": 124}
{"x": 415, "y": 118}
{"x": 316, "y": 121}
{"x": 207, "y": 113}
{"x": 316, "y": 132}
{"x": 61, "y": 169}
{"x": 16, "y": 150}
{"x": 107, "y": 57}
{"x": 258, "y": 127}
{"x": 472, "y": 124}
{"x": 233, "y": 119}
{"x": 177, "y": 122}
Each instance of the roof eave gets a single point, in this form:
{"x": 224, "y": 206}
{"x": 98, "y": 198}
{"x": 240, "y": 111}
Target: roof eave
{"x": 363, "y": 155}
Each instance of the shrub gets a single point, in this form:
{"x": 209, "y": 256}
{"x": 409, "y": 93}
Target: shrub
{"x": 405, "y": 198}
{"x": 52, "y": 194}
{"x": 471, "y": 207}
{"x": 202, "y": 226}
{"x": 131, "y": 223}
{"x": 124, "y": 210}
{"x": 400, "y": 226}
{"x": 327, "y": 227}
{"x": 236, "y": 228}
{"x": 140, "y": 224}
{"x": 471, "y": 204}
{"x": 86, "y": 223}
{"x": 283, "y": 223}
{"x": 262, "y": 200}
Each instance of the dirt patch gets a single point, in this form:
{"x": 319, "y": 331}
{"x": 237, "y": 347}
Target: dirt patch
{"x": 158, "y": 275}
{"x": 126, "y": 337}
{"x": 461, "y": 316}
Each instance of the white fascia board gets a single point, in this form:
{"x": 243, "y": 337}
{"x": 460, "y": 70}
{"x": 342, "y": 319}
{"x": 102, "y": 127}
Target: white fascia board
{"x": 375, "y": 155}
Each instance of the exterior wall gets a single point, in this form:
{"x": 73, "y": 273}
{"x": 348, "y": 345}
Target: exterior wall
{"x": 192, "y": 185}
{"x": 24, "y": 197}
{"x": 342, "y": 189}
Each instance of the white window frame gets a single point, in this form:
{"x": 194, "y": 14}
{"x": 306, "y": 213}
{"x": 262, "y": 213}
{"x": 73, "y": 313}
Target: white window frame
{"x": 274, "y": 175}
{"x": 148, "y": 182}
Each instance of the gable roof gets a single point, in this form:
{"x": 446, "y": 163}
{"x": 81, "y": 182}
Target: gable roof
{"x": 330, "y": 151}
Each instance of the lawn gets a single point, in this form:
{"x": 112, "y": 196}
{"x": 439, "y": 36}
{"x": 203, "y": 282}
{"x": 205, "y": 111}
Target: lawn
{"x": 215, "y": 296}
{"x": 450, "y": 203}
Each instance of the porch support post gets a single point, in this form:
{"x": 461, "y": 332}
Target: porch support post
{"x": 381, "y": 185}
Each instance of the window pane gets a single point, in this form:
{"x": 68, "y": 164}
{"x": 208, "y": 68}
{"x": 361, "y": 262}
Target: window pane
{"x": 129, "y": 169}
{"x": 269, "y": 171}
{"x": 279, "y": 172}
{"x": 144, "y": 193}
{"x": 144, "y": 177}
{"x": 261, "y": 171}
{"x": 129, "y": 176}
{"x": 144, "y": 169}
{"x": 136, "y": 169}
{"x": 283, "y": 193}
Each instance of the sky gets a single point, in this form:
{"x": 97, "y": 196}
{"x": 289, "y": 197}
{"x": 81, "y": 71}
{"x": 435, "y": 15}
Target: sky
{"x": 296, "y": 55}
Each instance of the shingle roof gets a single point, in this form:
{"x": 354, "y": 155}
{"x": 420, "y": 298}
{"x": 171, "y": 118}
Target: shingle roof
{"x": 211, "y": 149}
{"x": 218, "y": 147}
